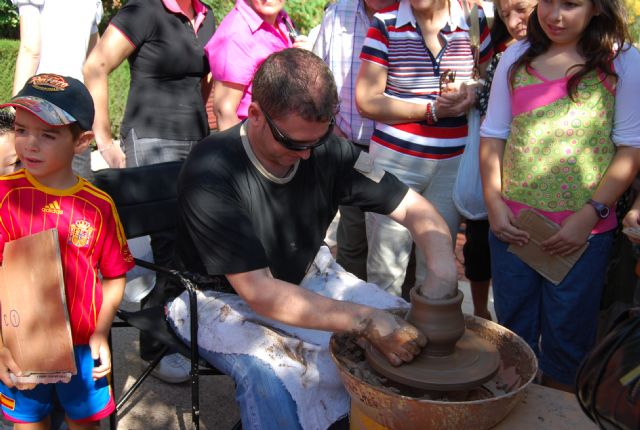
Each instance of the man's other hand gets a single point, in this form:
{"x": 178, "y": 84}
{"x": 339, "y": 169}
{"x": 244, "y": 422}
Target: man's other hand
{"x": 396, "y": 339}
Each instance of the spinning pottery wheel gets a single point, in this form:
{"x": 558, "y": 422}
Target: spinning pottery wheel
{"x": 455, "y": 358}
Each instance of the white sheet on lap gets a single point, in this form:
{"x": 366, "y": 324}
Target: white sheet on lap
{"x": 299, "y": 357}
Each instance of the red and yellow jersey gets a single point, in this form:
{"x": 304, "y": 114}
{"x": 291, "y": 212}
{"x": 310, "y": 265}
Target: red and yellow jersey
{"x": 91, "y": 238}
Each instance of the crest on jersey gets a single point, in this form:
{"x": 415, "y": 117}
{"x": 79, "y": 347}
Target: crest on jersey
{"x": 80, "y": 233}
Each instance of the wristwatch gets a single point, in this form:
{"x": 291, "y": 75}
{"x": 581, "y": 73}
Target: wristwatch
{"x": 601, "y": 209}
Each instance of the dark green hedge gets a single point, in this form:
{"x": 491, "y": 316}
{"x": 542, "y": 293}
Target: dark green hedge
{"x": 8, "y": 20}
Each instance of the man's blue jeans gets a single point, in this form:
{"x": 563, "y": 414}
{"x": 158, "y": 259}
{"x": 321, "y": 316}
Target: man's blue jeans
{"x": 558, "y": 322}
{"x": 264, "y": 401}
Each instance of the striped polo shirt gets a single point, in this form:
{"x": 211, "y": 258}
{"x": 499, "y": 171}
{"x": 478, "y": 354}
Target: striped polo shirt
{"x": 90, "y": 234}
{"x": 394, "y": 41}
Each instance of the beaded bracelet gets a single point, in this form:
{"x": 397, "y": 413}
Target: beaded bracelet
{"x": 430, "y": 114}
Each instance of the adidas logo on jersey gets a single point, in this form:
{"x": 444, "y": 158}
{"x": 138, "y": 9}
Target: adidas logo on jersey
{"x": 53, "y": 207}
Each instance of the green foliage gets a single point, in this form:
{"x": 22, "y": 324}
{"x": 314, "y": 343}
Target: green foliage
{"x": 8, "y": 54}
{"x": 305, "y": 13}
{"x": 9, "y": 21}
{"x": 118, "y": 93}
{"x": 220, "y": 7}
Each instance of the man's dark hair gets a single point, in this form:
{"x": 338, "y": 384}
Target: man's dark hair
{"x": 296, "y": 81}
{"x": 6, "y": 121}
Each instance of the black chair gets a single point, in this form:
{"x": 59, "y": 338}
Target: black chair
{"x": 146, "y": 198}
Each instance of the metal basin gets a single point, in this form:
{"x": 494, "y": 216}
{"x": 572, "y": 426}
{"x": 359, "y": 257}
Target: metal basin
{"x": 399, "y": 412}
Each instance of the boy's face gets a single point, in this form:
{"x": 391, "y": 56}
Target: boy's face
{"x": 45, "y": 151}
{"x": 8, "y": 157}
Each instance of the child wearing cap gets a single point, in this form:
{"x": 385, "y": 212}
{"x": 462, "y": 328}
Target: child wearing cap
{"x": 53, "y": 120}
{"x": 8, "y": 158}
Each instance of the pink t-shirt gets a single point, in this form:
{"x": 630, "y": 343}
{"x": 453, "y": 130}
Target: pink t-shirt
{"x": 240, "y": 44}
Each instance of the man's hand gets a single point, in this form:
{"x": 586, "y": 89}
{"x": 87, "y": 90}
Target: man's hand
{"x": 100, "y": 352}
{"x": 437, "y": 287}
{"x": 395, "y": 338}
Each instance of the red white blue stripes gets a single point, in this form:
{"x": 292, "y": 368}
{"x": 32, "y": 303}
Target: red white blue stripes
{"x": 394, "y": 41}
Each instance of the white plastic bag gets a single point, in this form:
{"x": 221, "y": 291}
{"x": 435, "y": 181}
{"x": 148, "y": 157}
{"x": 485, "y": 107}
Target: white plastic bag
{"x": 467, "y": 190}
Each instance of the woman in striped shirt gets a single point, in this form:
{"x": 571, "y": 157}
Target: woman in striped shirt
{"x": 420, "y": 130}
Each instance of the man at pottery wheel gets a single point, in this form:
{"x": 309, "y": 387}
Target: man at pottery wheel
{"x": 255, "y": 202}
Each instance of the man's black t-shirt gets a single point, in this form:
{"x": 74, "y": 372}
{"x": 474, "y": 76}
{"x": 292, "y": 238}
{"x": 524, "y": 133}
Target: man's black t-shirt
{"x": 236, "y": 217}
{"x": 165, "y": 97}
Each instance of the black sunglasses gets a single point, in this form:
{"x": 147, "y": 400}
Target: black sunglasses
{"x": 297, "y": 145}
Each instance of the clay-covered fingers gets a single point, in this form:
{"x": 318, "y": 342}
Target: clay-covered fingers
{"x": 396, "y": 339}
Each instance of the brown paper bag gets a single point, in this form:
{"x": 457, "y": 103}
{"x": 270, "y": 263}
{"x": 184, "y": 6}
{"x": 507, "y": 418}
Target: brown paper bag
{"x": 552, "y": 267}
{"x": 35, "y": 322}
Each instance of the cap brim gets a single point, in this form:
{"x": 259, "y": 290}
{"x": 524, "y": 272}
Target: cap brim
{"x": 46, "y": 111}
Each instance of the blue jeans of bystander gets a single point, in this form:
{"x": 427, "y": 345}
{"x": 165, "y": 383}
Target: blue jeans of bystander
{"x": 558, "y": 322}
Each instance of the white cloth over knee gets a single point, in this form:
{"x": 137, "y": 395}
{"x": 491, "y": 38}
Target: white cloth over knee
{"x": 299, "y": 357}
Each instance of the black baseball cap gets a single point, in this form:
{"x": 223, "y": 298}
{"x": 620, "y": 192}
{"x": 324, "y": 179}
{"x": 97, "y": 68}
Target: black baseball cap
{"x": 56, "y": 100}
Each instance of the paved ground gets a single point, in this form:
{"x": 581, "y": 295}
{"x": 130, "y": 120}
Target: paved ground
{"x": 160, "y": 406}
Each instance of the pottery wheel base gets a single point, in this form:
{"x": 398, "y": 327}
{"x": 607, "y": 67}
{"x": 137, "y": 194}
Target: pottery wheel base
{"x": 473, "y": 362}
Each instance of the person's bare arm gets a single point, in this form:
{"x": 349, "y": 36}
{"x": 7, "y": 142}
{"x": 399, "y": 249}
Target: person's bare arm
{"x": 431, "y": 234}
{"x": 112, "y": 49}
{"x": 112, "y": 292}
{"x": 93, "y": 41}
{"x": 374, "y": 104}
{"x": 293, "y": 305}
{"x": 29, "y": 51}
{"x": 226, "y": 99}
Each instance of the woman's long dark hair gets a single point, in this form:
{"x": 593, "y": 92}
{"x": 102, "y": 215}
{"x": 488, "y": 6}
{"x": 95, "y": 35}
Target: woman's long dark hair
{"x": 601, "y": 41}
